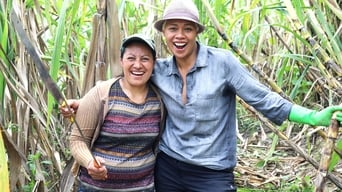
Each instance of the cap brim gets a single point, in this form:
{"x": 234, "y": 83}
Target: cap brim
{"x": 138, "y": 38}
{"x": 132, "y": 39}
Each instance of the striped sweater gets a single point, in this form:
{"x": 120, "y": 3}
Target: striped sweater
{"x": 126, "y": 142}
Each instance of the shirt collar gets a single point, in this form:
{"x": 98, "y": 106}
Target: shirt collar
{"x": 201, "y": 60}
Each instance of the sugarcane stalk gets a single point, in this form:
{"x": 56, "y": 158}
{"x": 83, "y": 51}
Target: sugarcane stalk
{"x": 319, "y": 52}
{"x": 311, "y": 76}
{"x": 240, "y": 53}
{"x": 330, "y": 63}
{"x": 96, "y": 63}
{"x": 322, "y": 55}
{"x": 326, "y": 155}
{"x": 325, "y": 137}
{"x": 248, "y": 60}
{"x": 333, "y": 178}
{"x": 308, "y": 74}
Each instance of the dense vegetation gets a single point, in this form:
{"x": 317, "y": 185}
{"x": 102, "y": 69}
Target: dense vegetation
{"x": 294, "y": 47}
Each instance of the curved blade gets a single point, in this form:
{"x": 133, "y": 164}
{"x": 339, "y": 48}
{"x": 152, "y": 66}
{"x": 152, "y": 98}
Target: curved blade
{"x": 45, "y": 76}
{"x": 43, "y": 72}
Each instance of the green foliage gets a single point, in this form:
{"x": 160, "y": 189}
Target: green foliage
{"x": 32, "y": 161}
{"x": 264, "y": 30}
{"x": 299, "y": 185}
{"x": 56, "y": 54}
{"x": 4, "y": 50}
{"x": 335, "y": 158}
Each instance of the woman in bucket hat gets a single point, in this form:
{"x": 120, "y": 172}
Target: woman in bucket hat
{"x": 120, "y": 120}
{"x": 199, "y": 85}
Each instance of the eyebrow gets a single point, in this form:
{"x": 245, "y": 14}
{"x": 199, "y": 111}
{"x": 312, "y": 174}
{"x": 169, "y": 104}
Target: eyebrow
{"x": 186, "y": 24}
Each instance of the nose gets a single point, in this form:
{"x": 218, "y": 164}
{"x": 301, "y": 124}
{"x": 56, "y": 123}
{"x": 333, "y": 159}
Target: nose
{"x": 137, "y": 63}
{"x": 180, "y": 33}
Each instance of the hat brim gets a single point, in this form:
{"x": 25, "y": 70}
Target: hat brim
{"x": 159, "y": 24}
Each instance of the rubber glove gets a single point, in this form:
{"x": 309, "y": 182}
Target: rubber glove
{"x": 303, "y": 115}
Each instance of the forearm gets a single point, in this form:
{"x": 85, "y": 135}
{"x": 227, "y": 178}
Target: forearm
{"x": 81, "y": 152}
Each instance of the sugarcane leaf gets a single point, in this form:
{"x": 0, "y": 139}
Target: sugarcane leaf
{"x": 335, "y": 158}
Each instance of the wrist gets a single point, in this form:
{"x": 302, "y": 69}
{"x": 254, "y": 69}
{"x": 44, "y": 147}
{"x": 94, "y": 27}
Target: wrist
{"x": 302, "y": 115}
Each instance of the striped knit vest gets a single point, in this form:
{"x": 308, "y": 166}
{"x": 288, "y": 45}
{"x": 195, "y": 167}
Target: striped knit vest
{"x": 126, "y": 142}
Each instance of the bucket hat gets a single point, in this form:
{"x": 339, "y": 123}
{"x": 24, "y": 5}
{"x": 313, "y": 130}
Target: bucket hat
{"x": 138, "y": 38}
{"x": 180, "y": 9}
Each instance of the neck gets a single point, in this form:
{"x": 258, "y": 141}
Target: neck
{"x": 136, "y": 94}
{"x": 186, "y": 63}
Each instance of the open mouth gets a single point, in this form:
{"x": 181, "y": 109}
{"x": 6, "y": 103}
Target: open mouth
{"x": 137, "y": 73}
{"x": 179, "y": 45}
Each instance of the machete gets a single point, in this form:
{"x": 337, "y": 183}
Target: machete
{"x": 44, "y": 74}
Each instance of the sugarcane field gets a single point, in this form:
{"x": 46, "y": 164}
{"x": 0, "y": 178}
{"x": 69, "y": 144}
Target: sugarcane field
{"x": 53, "y": 51}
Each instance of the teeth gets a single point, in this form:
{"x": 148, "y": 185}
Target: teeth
{"x": 180, "y": 44}
{"x": 137, "y": 73}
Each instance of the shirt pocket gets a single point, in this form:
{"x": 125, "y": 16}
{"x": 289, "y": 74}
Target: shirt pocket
{"x": 206, "y": 108}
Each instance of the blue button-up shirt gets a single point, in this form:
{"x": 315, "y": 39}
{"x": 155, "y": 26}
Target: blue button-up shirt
{"x": 203, "y": 131}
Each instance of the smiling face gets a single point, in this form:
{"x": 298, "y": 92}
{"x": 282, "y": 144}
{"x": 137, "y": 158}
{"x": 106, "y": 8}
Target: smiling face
{"x": 137, "y": 63}
{"x": 180, "y": 36}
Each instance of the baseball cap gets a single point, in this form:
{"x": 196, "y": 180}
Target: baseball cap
{"x": 138, "y": 38}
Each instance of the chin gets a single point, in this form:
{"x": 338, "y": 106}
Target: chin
{"x": 138, "y": 83}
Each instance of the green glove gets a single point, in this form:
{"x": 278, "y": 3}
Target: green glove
{"x": 315, "y": 118}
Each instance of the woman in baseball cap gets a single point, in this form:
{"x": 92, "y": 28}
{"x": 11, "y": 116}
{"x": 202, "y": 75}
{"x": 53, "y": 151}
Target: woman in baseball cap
{"x": 119, "y": 125}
